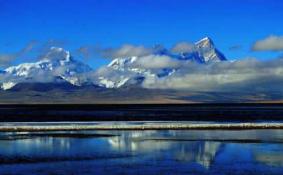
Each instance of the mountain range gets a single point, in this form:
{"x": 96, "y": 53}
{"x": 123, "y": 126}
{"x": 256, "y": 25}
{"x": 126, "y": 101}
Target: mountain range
{"x": 58, "y": 68}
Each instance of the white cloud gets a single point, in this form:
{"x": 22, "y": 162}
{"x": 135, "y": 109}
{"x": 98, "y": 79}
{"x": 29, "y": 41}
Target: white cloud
{"x": 271, "y": 43}
{"x": 157, "y": 62}
{"x": 126, "y": 50}
{"x": 223, "y": 76}
{"x": 183, "y": 47}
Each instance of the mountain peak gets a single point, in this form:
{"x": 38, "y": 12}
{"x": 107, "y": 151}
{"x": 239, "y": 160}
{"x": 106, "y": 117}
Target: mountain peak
{"x": 56, "y": 54}
{"x": 206, "y": 42}
{"x": 58, "y": 64}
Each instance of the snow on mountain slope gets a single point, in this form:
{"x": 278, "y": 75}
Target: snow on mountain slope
{"x": 208, "y": 52}
{"x": 162, "y": 63}
{"x": 56, "y": 65}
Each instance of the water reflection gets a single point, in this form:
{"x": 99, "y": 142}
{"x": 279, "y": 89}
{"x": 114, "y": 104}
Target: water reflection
{"x": 273, "y": 156}
{"x": 132, "y": 142}
{"x": 201, "y": 152}
{"x": 198, "y": 151}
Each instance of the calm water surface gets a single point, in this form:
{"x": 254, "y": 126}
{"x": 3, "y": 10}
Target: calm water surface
{"x": 142, "y": 152}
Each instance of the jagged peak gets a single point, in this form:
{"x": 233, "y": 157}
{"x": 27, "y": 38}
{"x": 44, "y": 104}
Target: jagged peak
{"x": 59, "y": 62}
{"x": 205, "y": 42}
{"x": 204, "y": 39}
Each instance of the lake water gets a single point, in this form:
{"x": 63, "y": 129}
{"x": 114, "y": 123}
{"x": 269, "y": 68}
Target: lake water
{"x": 142, "y": 152}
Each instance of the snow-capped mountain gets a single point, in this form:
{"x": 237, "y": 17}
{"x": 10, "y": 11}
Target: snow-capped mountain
{"x": 206, "y": 51}
{"x": 58, "y": 66}
{"x": 125, "y": 71}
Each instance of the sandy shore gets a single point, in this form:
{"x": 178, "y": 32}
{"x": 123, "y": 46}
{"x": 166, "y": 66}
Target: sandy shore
{"x": 74, "y": 126}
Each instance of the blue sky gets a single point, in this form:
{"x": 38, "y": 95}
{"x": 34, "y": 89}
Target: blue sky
{"x": 111, "y": 23}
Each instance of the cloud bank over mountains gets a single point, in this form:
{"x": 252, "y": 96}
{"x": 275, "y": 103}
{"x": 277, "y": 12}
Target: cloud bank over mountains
{"x": 248, "y": 74}
{"x": 196, "y": 66}
{"x": 126, "y": 50}
{"x": 183, "y": 47}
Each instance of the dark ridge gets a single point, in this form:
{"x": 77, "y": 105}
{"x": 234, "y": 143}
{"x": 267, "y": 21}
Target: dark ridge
{"x": 43, "y": 87}
{"x": 140, "y": 112}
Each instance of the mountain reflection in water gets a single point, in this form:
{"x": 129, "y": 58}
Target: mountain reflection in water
{"x": 201, "y": 152}
{"x": 178, "y": 152}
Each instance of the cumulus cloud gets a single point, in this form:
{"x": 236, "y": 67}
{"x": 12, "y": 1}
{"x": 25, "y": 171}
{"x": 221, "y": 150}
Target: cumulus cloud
{"x": 248, "y": 74}
{"x": 126, "y": 50}
{"x": 157, "y": 62}
{"x": 183, "y": 47}
{"x": 271, "y": 43}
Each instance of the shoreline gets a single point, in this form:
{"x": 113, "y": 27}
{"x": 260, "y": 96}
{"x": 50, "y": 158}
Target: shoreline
{"x": 78, "y": 126}
{"x": 142, "y": 112}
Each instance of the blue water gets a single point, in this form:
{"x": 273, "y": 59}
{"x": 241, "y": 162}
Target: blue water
{"x": 142, "y": 152}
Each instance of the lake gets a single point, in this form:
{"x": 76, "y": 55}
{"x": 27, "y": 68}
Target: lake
{"x": 142, "y": 152}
